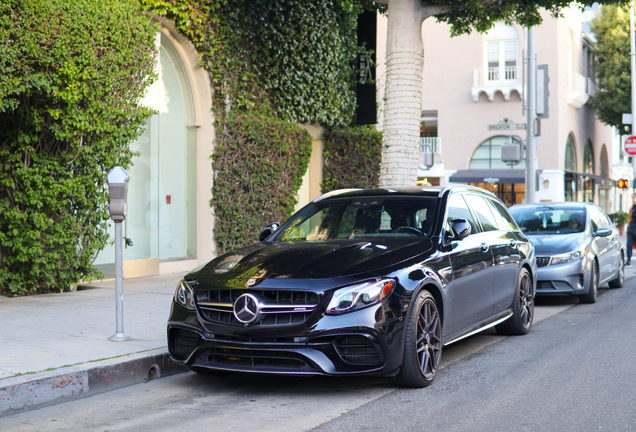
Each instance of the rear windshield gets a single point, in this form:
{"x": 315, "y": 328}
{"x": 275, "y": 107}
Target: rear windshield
{"x": 550, "y": 220}
{"x": 348, "y": 218}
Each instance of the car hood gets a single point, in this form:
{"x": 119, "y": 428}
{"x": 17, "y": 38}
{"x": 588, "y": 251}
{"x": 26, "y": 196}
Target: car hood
{"x": 553, "y": 244}
{"x": 277, "y": 262}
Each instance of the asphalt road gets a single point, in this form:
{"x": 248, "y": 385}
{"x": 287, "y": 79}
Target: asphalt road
{"x": 575, "y": 371}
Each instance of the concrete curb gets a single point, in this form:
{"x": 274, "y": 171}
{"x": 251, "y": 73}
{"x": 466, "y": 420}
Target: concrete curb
{"x": 28, "y": 392}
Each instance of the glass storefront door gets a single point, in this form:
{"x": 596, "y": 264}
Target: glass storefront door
{"x": 161, "y": 219}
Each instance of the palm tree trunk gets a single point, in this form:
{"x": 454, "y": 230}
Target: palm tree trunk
{"x": 403, "y": 94}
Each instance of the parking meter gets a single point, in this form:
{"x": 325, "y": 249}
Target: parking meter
{"x": 118, "y": 179}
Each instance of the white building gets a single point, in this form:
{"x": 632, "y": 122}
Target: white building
{"x": 472, "y": 103}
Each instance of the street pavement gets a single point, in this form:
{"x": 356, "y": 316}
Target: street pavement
{"x": 56, "y": 347}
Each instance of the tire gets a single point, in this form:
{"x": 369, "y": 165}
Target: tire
{"x": 590, "y": 297}
{"x": 422, "y": 344}
{"x": 522, "y": 308}
{"x": 619, "y": 281}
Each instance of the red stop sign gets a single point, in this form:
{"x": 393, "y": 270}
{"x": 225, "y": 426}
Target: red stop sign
{"x": 630, "y": 145}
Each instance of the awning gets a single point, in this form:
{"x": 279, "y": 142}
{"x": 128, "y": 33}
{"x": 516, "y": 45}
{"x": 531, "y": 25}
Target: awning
{"x": 489, "y": 176}
{"x": 603, "y": 181}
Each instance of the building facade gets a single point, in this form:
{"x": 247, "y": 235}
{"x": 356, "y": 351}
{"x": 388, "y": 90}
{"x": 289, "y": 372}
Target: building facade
{"x": 472, "y": 104}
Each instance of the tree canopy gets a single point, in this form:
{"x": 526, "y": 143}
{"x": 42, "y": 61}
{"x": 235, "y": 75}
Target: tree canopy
{"x": 612, "y": 64}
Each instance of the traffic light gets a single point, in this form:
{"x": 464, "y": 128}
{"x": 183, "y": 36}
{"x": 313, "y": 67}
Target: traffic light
{"x": 623, "y": 184}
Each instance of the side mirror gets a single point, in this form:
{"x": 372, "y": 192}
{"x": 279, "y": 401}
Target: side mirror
{"x": 269, "y": 230}
{"x": 602, "y": 232}
{"x": 460, "y": 229}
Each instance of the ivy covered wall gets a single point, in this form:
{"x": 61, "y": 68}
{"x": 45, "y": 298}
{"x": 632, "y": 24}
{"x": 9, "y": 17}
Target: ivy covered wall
{"x": 71, "y": 75}
{"x": 273, "y": 63}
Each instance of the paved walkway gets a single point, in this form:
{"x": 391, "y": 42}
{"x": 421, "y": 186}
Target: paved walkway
{"x": 52, "y": 339}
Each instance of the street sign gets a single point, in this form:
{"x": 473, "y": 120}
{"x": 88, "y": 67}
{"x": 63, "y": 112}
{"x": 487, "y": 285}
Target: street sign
{"x": 629, "y": 145}
{"x": 506, "y": 124}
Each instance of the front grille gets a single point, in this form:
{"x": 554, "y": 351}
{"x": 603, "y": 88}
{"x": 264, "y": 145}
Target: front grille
{"x": 255, "y": 359}
{"x": 543, "y": 261}
{"x": 356, "y": 350}
{"x": 181, "y": 342}
{"x": 277, "y": 307}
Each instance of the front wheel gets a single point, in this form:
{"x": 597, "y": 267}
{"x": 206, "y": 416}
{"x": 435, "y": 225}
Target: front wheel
{"x": 590, "y": 297}
{"x": 422, "y": 345}
{"x": 619, "y": 280}
{"x": 522, "y": 308}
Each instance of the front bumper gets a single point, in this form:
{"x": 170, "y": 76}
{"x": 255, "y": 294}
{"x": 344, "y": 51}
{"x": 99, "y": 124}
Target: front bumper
{"x": 368, "y": 341}
{"x": 563, "y": 279}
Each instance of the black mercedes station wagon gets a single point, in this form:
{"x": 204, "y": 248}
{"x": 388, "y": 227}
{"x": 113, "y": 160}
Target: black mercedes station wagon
{"x": 360, "y": 282}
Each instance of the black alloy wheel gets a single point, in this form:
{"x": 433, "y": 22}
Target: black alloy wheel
{"x": 522, "y": 308}
{"x": 423, "y": 344}
{"x": 590, "y": 297}
{"x": 619, "y": 280}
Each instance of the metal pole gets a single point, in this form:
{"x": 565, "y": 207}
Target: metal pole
{"x": 633, "y": 61}
{"x": 119, "y": 336}
{"x": 531, "y": 151}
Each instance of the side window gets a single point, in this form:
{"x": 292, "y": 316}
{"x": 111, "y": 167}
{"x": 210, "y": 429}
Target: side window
{"x": 598, "y": 221}
{"x": 484, "y": 214}
{"x": 457, "y": 209}
{"x": 505, "y": 221}
{"x": 602, "y": 219}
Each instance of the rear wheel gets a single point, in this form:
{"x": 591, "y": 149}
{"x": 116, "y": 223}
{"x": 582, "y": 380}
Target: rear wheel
{"x": 590, "y": 297}
{"x": 522, "y": 308}
{"x": 422, "y": 345}
{"x": 620, "y": 276}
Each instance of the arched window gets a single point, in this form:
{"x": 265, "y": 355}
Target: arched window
{"x": 570, "y": 154}
{"x": 570, "y": 165}
{"x": 502, "y": 51}
{"x": 588, "y": 158}
{"x": 588, "y": 168}
{"x": 488, "y": 154}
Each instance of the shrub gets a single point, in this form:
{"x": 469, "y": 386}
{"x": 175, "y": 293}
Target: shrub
{"x": 352, "y": 158}
{"x": 71, "y": 75}
{"x": 259, "y": 162}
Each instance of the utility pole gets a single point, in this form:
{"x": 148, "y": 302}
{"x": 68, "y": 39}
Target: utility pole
{"x": 531, "y": 149}
{"x": 633, "y": 58}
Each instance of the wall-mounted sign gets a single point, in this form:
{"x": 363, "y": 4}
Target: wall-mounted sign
{"x": 506, "y": 124}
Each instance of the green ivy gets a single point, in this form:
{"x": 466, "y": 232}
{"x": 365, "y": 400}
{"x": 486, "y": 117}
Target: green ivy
{"x": 71, "y": 74}
{"x": 352, "y": 158}
{"x": 272, "y": 63}
{"x": 297, "y": 56}
{"x": 258, "y": 160}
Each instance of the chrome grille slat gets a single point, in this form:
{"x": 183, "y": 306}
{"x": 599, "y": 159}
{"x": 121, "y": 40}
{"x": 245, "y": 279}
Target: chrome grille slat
{"x": 277, "y": 307}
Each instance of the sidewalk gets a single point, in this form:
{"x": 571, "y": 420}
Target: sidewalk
{"x": 56, "y": 347}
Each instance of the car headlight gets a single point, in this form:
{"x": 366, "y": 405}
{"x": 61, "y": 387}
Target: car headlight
{"x": 566, "y": 257}
{"x": 359, "y": 296}
{"x": 184, "y": 295}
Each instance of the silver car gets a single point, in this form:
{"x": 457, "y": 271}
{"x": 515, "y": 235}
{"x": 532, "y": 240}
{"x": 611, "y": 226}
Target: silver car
{"x": 576, "y": 245}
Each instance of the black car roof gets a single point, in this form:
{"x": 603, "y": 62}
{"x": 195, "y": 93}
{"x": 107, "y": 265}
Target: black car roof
{"x": 424, "y": 191}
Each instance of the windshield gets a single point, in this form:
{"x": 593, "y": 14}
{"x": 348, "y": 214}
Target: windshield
{"x": 348, "y": 218}
{"x": 550, "y": 220}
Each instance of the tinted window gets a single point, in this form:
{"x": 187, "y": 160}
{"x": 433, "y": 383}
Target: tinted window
{"x": 347, "y": 218}
{"x": 544, "y": 219}
{"x": 505, "y": 221}
{"x": 479, "y": 205}
{"x": 457, "y": 209}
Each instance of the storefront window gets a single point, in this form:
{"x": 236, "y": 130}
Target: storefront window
{"x": 488, "y": 154}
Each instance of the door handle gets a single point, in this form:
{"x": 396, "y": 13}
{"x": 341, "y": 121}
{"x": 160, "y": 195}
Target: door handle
{"x": 484, "y": 247}
{"x": 513, "y": 243}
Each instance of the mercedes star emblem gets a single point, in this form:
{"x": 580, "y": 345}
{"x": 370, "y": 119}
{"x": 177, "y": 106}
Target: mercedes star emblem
{"x": 246, "y": 308}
